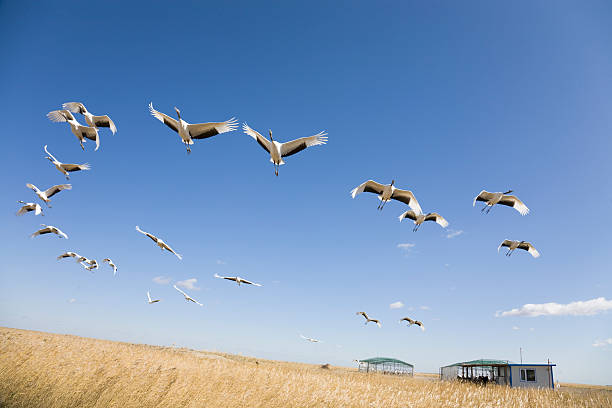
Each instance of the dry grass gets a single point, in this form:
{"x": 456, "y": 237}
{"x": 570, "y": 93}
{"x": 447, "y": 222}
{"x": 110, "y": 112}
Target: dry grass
{"x": 49, "y": 370}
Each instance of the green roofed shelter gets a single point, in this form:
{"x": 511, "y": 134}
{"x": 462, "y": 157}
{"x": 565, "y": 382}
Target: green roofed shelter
{"x": 481, "y": 362}
{"x": 386, "y": 365}
{"x": 502, "y": 372}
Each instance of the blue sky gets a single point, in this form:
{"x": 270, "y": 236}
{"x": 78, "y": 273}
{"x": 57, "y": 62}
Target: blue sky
{"x": 445, "y": 98}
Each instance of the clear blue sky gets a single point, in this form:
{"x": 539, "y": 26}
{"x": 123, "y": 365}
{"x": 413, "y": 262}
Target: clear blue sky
{"x": 446, "y": 98}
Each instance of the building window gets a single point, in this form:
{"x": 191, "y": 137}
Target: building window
{"x": 528, "y": 375}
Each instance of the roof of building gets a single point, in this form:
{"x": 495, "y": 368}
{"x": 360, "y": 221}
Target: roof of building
{"x": 480, "y": 362}
{"x": 382, "y": 360}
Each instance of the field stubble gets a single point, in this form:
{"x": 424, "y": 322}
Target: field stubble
{"x": 52, "y": 370}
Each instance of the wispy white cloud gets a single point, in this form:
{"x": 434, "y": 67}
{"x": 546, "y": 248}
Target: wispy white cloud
{"x": 162, "y": 280}
{"x": 451, "y": 233}
{"x": 188, "y": 284}
{"x": 407, "y": 246}
{"x": 603, "y": 343}
{"x": 531, "y": 329}
{"x": 396, "y": 305}
{"x": 578, "y": 308}
{"x": 515, "y": 328}
{"x": 220, "y": 262}
{"x": 71, "y": 300}
{"x": 425, "y": 308}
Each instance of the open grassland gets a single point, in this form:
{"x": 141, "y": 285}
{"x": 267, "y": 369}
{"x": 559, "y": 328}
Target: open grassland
{"x": 51, "y": 370}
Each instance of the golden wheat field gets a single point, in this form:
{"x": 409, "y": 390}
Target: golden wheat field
{"x": 51, "y": 370}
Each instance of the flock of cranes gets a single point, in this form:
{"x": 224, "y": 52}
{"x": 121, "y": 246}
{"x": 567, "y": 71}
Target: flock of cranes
{"x": 389, "y": 192}
{"x": 188, "y": 132}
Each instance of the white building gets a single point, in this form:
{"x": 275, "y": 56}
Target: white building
{"x": 501, "y": 372}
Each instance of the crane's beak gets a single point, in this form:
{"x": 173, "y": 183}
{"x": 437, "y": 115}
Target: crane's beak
{"x": 178, "y": 112}
{"x": 270, "y": 130}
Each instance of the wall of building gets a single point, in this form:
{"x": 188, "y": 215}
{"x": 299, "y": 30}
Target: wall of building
{"x": 543, "y": 376}
{"x": 450, "y": 373}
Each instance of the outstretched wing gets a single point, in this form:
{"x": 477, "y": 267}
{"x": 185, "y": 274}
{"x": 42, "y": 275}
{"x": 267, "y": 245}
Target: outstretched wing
{"x": 51, "y": 191}
{"x": 205, "y": 130}
{"x": 250, "y": 283}
{"x": 294, "y": 146}
{"x": 514, "y": 202}
{"x": 153, "y": 237}
{"x": 75, "y": 107}
{"x": 175, "y": 287}
{"x": 59, "y": 232}
{"x": 105, "y": 121}
{"x": 75, "y": 167}
{"x": 162, "y": 117}
{"x": 60, "y": 116}
{"x": 32, "y": 187}
{"x": 408, "y": 214}
{"x": 68, "y": 255}
{"x": 437, "y": 218}
{"x": 369, "y": 186}
{"x": 42, "y": 231}
{"x": 263, "y": 142}
{"x": 483, "y": 196}
{"x": 505, "y": 243}
{"x": 529, "y": 248}
{"x": 179, "y": 256}
{"x": 406, "y": 197}
{"x": 25, "y": 208}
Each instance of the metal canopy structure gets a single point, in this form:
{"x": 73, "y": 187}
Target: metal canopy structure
{"x": 480, "y": 371}
{"x": 386, "y": 365}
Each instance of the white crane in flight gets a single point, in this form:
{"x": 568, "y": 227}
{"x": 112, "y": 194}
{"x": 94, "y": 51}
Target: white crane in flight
{"x": 279, "y": 150}
{"x": 420, "y": 218}
{"x": 28, "y": 207}
{"x": 65, "y": 168}
{"x": 387, "y": 193}
{"x": 151, "y": 301}
{"x": 49, "y": 229}
{"x": 81, "y": 132}
{"x": 92, "y": 120}
{"x": 512, "y": 245}
{"x": 411, "y": 322}
{"x": 190, "y": 131}
{"x": 237, "y": 279}
{"x": 187, "y": 297}
{"x": 368, "y": 319}
{"x": 50, "y": 192}
{"x": 160, "y": 243}
{"x": 490, "y": 199}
